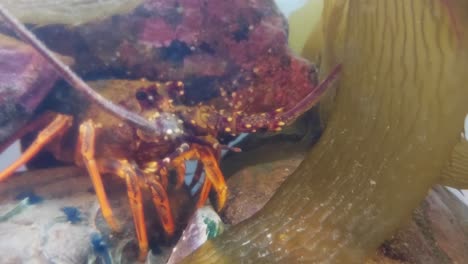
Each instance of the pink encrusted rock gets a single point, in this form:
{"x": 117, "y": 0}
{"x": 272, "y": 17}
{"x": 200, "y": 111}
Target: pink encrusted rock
{"x": 214, "y": 47}
{"x": 157, "y": 33}
{"x": 25, "y": 80}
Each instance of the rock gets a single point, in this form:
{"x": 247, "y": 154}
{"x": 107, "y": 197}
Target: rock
{"x": 252, "y": 186}
{"x": 62, "y": 222}
{"x": 25, "y": 80}
{"x": 40, "y": 232}
{"x": 214, "y": 48}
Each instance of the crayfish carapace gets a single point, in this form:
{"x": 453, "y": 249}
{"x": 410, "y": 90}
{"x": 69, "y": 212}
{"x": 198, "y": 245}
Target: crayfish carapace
{"x": 154, "y": 134}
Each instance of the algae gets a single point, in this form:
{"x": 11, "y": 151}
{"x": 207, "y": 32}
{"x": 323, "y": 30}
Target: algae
{"x": 455, "y": 174}
{"x": 68, "y": 12}
{"x": 398, "y": 113}
{"x": 303, "y": 20}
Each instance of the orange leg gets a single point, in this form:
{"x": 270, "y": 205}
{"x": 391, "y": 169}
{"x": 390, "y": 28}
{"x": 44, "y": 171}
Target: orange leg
{"x": 36, "y": 124}
{"x": 213, "y": 174}
{"x": 205, "y": 191}
{"x": 59, "y": 125}
{"x": 212, "y": 171}
{"x": 156, "y": 179}
{"x": 86, "y": 141}
{"x": 161, "y": 202}
{"x": 179, "y": 165}
{"x": 163, "y": 176}
{"x": 159, "y": 169}
{"x": 124, "y": 170}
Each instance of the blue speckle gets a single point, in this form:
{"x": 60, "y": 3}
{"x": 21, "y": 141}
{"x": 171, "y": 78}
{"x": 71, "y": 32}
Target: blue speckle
{"x": 99, "y": 245}
{"x": 100, "y": 248}
{"x": 73, "y": 214}
{"x": 33, "y": 198}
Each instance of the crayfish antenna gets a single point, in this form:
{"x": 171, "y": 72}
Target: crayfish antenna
{"x": 312, "y": 98}
{"x": 72, "y": 78}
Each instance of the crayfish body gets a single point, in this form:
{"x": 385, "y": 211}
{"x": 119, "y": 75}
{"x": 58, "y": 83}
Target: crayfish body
{"x": 143, "y": 159}
{"x": 153, "y": 130}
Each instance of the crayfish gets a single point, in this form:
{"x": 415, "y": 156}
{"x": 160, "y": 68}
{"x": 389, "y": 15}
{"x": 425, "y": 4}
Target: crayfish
{"x": 158, "y": 134}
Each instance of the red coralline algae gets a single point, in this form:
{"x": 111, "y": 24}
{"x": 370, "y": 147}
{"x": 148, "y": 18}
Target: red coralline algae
{"x": 238, "y": 47}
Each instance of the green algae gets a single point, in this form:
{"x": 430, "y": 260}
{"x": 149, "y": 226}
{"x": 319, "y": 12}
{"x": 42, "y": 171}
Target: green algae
{"x": 303, "y": 20}
{"x": 397, "y": 115}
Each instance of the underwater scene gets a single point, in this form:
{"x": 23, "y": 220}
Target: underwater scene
{"x": 240, "y": 131}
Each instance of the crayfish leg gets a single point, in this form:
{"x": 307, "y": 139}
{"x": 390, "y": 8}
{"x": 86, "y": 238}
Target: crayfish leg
{"x": 205, "y": 191}
{"x": 58, "y": 125}
{"x": 124, "y": 170}
{"x": 161, "y": 202}
{"x": 86, "y": 142}
{"x": 36, "y": 124}
{"x": 180, "y": 169}
{"x": 213, "y": 173}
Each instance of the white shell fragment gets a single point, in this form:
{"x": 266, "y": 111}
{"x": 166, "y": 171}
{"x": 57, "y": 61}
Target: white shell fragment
{"x": 205, "y": 224}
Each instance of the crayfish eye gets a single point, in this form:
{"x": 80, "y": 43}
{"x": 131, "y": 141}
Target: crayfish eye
{"x": 141, "y": 96}
{"x": 147, "y": 97}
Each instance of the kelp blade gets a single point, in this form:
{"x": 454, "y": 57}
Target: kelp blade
{"x": 398, "y": 113}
